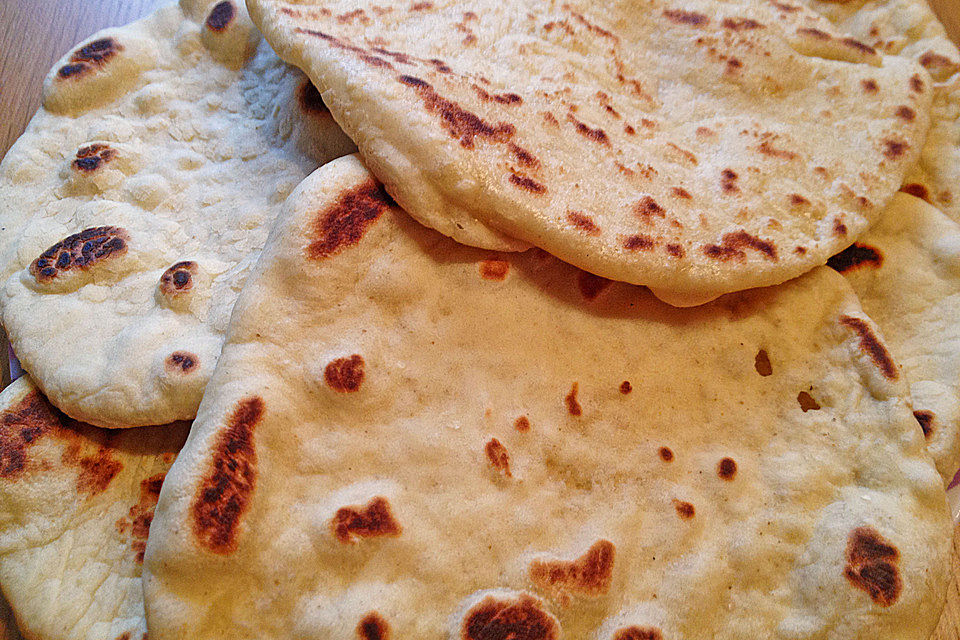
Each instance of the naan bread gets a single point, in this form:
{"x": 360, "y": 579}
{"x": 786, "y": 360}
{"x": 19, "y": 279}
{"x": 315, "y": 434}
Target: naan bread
{"x": 910, "y": 28}
{"x": 698, "y": 148}
{"x": 137, "y": 200}
{"x": 907, "y": 28}
{"x": 906, "y": 271}
{"x": 409, "y": 438}
{"x": 75, "y": 507}
{"x": 937, "y": 176}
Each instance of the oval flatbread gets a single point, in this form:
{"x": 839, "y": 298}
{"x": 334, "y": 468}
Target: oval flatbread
{"x": 138, "y": 199}
{"x": 76, "y": 504}
{"x": 906, "y": 271}
{"x": 410, "y": 438}
{"x": 698, "y": 148}
{"x": 909, "y": 28}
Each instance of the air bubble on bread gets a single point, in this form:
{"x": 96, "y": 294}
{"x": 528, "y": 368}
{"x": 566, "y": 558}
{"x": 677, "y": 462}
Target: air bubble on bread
{"x": 96, "y": 167}
{"x": 181, "y": 363}
{"x": 178, "y": 279}
{"x": 375, "y": 519}
{"x": 177, "y": 286}
{"x": 228, "y": 34}
{"x": 813, "y": 41}
{"x": 504, "y": 613}
{"x": 97, "y": 72}
{"x": 147, "y": 190}
{"x": 73, "y": 261}
{"x": 940, "y": 62}
{"x": 873, "y": 565}
{"x": 184, "y": 361}
{"x": 589, "y": 575}
{"x": 644, "y": 621}
{"x": 373, "y": 627}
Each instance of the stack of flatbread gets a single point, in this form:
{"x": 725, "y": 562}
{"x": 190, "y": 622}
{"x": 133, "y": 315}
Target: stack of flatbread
{"x": 494, "y": 321}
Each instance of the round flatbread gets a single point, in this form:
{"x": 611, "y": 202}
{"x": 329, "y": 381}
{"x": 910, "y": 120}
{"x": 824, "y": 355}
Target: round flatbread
{"x": 410, "y": 438}
{"x": 697, "y": 148}
{"x": 906, "y": 271}
{"x": 905, "y": 268}
{"x": 909, "y": 28}
{"x": 936, "y": 176}
{"x": 76, "y": 504}
{"x": 137, "y": 200}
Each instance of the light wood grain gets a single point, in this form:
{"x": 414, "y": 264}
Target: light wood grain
{"x": 35, "y": 33}
{"x": 949, "y": 13}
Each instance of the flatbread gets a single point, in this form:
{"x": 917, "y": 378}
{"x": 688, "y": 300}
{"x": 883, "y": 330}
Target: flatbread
{"x": 905, "y": 268}
{"x": 910, "y": 28}
{"x": 137, "y": 200}
{"x": 75, "y": 508}
{"x": 698, "y": 148}
{"x": 409, "y": 438}
{"x": 906, "y": 271}
{"x": 907, "y": 28}
{"x": 937, "y": 175}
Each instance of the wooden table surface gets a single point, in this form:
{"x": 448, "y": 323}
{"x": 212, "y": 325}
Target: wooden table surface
{"x": 35, "y": 33}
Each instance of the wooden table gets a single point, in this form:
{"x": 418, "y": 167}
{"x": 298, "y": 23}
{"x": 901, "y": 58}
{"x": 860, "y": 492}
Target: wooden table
{"x": 35, "y": 33}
